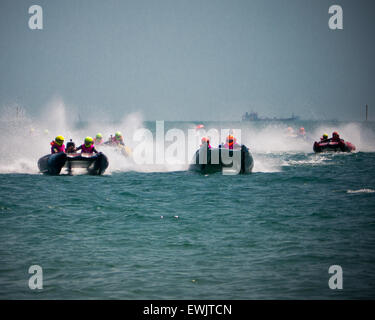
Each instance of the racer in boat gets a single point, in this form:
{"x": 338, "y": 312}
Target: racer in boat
{"x": 290, "y": 133}
{"x": 231, "y": 143}
{"x": 58, "y": 146}
{"x": 88, "y": 146}
{"x": 336, "y": 137}
{"x": 98, "y": 140}
{"x": 70, "y": 147}
{"x": 302, "y": 132}
{"x": 205, "y": 141}
{"x": 324, "y": 138}
{"x": 118, "y": 139}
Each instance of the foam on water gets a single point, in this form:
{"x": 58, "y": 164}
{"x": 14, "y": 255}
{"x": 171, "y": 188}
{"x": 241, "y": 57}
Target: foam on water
{"x": 311, "y": 159}
{"x": 25, "y": 139}
{"x": 361, "y": 191}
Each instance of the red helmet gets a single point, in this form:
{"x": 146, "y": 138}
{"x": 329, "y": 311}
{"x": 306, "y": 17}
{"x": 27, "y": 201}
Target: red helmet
{"x": 335, "y": 134}
{"x": 230, "y": 138}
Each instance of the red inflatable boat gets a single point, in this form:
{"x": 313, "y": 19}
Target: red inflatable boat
{"x": 333, "y": 146}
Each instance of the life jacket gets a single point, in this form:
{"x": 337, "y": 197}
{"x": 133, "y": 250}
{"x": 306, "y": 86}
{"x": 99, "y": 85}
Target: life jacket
{"x": 231, "y": 142}
{"x": 98, "y": 142}
{"x": 208, "y": 144}
{"x": 231, "y": 145}
{"x": 54, "y": 146}
{"x": 228, "y": 146}
{"x": 114, "y": 140}
{"x": 87, "y": 149}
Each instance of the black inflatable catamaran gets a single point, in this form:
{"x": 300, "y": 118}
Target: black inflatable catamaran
{"x": 52, "y": 164}
{"x": 224, "y": 160}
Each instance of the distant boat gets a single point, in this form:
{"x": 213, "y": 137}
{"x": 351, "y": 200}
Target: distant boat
{"x": 253, "y": 116}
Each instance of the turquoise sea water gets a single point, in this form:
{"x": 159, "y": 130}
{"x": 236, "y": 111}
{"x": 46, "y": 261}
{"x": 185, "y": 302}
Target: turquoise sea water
{"x": 183, "y": 235}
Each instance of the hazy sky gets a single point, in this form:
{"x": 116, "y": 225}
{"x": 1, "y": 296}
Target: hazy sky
{"x": 190, "y": 60}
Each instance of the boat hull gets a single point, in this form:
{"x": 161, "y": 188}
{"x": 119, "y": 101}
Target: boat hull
{"x": 333, "y": 146}
{"x": 239, "y": 161}
{"x": 53, "y": 163}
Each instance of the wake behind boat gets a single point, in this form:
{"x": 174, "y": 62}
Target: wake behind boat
{"x": 95, "y": 164}
{"x": 210, "y": 160}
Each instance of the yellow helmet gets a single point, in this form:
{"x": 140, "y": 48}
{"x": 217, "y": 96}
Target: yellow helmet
{"x": 118, "y": 135}
{"x": 325, "y": 136}
{"x": 99, "y": 136}
{"x": 59, "y": 140}
{"x": 89, "y": 141}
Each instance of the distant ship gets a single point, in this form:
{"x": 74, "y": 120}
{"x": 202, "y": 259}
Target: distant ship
{"x": 253, "y": 116}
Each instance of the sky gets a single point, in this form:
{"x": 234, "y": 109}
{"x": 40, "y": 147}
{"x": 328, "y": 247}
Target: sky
{"x": 190, "y": 60}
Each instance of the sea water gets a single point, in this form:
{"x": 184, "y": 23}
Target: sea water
{"x": 164, "y": 232}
